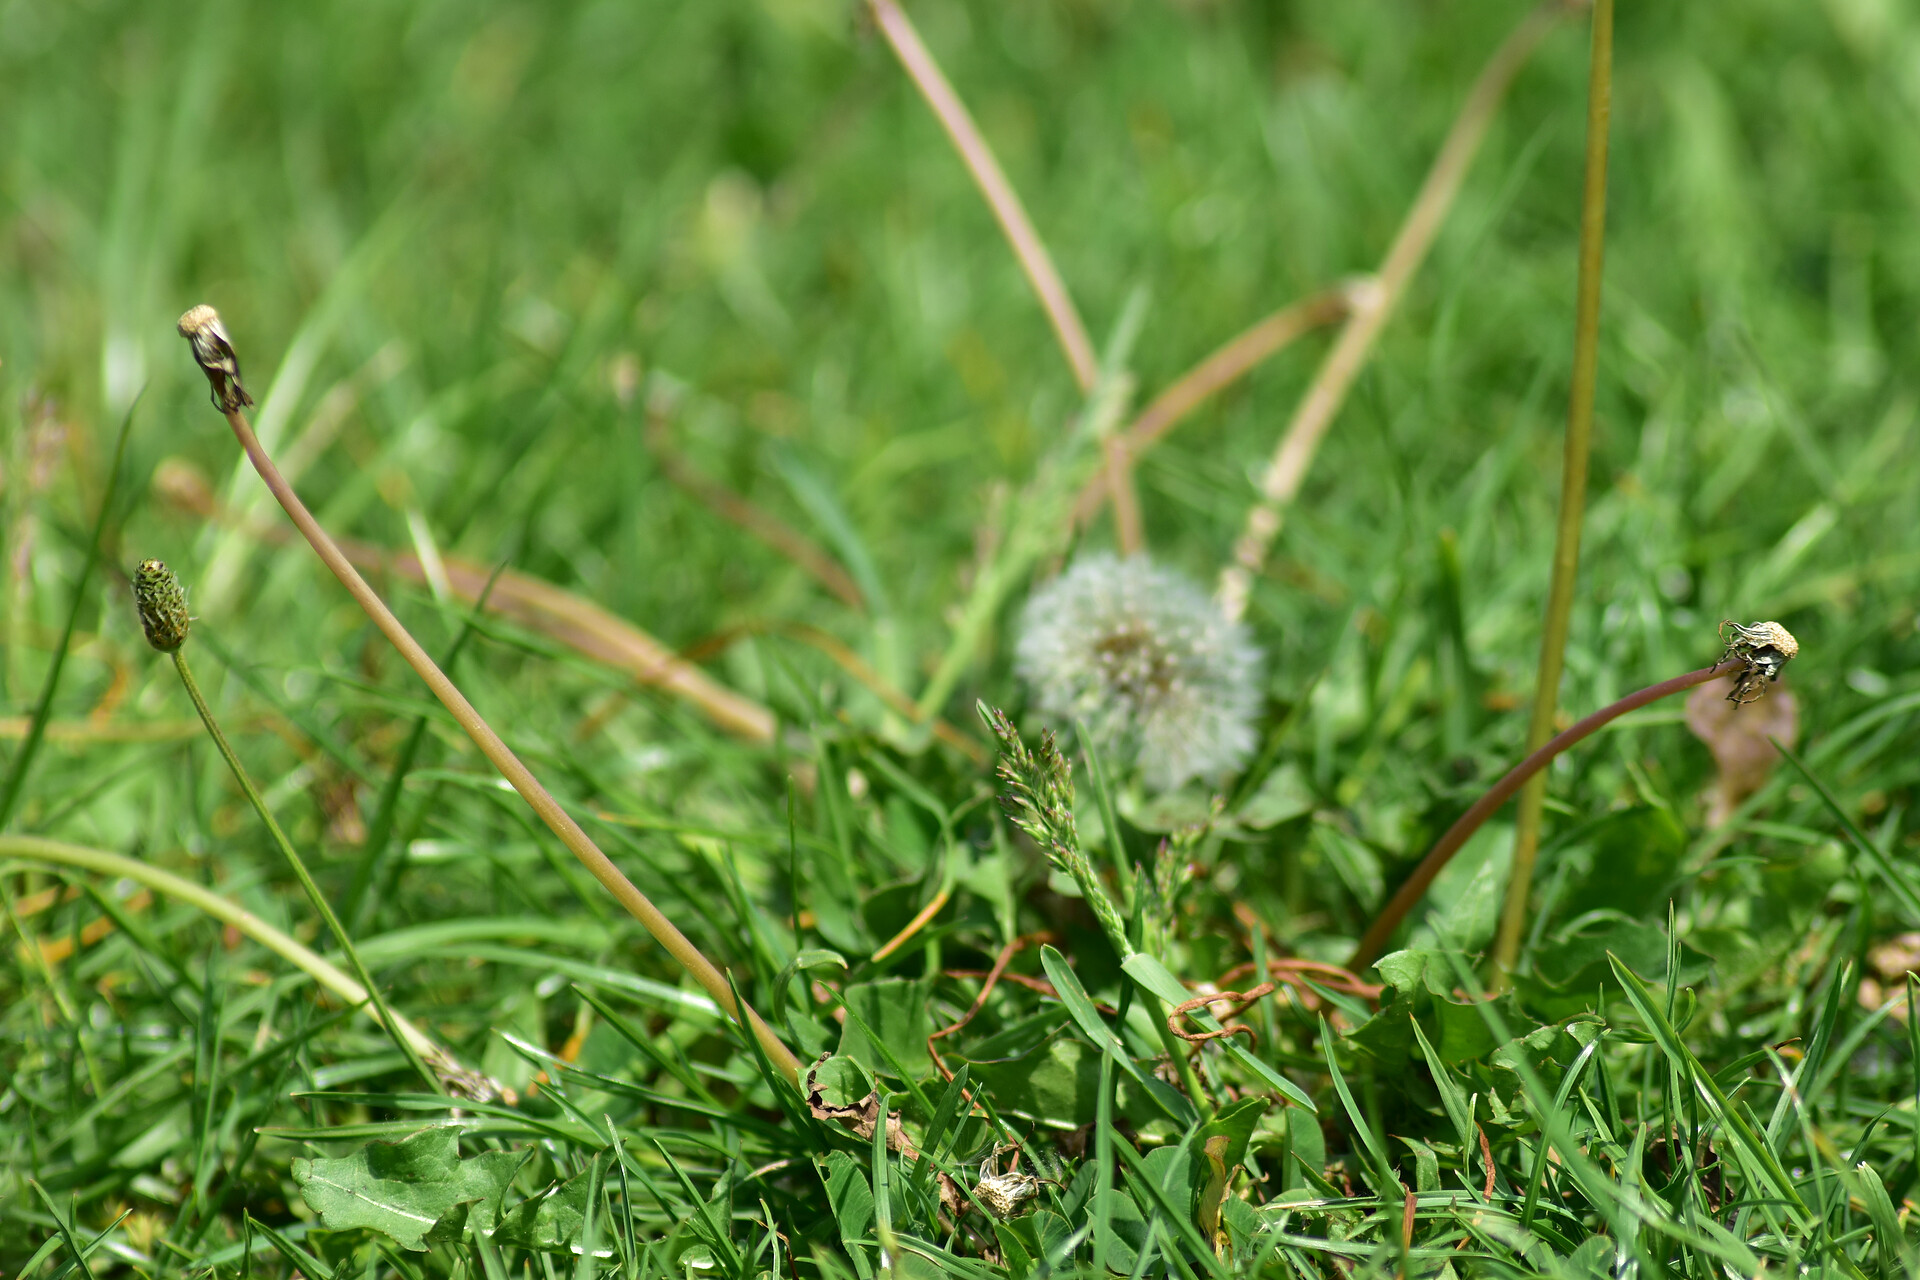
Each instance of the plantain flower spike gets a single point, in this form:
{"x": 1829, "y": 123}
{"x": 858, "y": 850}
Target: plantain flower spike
{"x": 162, "y": 602}
{"x": 213, "y": 352}
{"x": 1146, "y": 661}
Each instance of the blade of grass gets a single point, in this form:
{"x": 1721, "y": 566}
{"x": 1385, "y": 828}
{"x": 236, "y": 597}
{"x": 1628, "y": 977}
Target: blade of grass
{"x": 298, "y": 866}
{"x": 60, "y": 854}
{"x": 366, "y": 872}
{"x": 1573, "y": 490}
{"x": 1386, "y": 1182}
{"x": 1902, "y": 888}
{"x": 22, "y": 760}
{"x": 1757, "y": 1155}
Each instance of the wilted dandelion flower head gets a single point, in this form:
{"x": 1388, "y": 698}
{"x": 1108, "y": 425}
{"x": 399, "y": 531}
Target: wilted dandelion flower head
{"x": 1144, "y": 659}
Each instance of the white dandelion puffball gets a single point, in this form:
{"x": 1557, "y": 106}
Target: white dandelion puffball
{"x": 1144, "y": 659}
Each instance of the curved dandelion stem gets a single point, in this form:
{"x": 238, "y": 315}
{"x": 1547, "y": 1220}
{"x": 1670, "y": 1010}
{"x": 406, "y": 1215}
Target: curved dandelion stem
{"x": 1374, "y": 941}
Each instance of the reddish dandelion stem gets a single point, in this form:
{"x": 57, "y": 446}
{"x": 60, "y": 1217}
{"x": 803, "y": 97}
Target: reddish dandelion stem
{"x": 1415, "y": 888}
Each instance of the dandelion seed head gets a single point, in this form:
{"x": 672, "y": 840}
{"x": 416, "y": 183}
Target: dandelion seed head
{"x": 1146, "y": 661}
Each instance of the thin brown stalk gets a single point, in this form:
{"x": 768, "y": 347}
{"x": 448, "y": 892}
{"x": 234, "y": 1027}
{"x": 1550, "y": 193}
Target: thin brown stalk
{"x": 993, "y": 184}
{"x": 1408, "y": 895}
{"x": 992, "y": 976}
{"x": 216, "y": 358}
{"x": 1573, "y": 487}
{"x": 1343, "y": 363}
{"x": 1116, "y": 482}
{"x": 1239, "y": 356}
{"x": 738, "y": 511}
{"x": 534, "y": 603}
{"x": 921, "y": 920}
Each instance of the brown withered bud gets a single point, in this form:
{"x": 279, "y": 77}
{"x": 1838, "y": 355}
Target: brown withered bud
{"x": 213, "y": 352}
{"x": 1765, "y": 648}
{"x": 162, "y": 602}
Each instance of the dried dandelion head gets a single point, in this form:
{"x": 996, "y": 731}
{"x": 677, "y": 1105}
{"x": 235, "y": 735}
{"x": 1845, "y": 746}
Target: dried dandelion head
{"x": 1764, "y": 648}
{"x": 1146, "y": 661}
{"x": 213, "y": 352}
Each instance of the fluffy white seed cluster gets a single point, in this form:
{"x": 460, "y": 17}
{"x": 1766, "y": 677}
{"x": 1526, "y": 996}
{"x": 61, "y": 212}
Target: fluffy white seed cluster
{"x": 1145, "y": 660}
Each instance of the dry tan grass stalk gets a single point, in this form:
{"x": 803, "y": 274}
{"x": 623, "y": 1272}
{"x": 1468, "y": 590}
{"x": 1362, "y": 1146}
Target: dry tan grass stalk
{"x": 533, "y": 602}
{"x": 746, "y": 515}
{"x": 214, "y": 353}
{"x": 1330, "y": 385}
{"x": 1227, "y": 365}
{"x": 993, "y": 184}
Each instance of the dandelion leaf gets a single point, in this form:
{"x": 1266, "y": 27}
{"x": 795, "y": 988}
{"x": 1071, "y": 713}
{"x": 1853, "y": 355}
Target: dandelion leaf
{"x": 551, "y": 1221}
{"x": 1420, "y": 985}
{"x": 1056, "y": 1085}
{"x": 417, "y": 1190}
{"x": 1568, "y": 973}
{"x": 1634, "y": 855}
{"x": 894, "y": 1012}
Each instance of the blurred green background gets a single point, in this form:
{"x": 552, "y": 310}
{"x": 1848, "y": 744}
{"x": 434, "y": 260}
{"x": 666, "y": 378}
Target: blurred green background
{"x": 491, "y": 219}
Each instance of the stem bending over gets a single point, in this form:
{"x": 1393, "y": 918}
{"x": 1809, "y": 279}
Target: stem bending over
{"x": 1409, "y": 894}
{"x": 214, "y": 353}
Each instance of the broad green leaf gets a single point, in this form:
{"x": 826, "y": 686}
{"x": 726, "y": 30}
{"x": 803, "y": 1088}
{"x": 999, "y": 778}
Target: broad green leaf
{"x": 850, "y": 1197}
{"x": 551, "y": 1221}
{"x": 894, "y": 1011}
{"x": 1632, "y": 856}
{"x": 403, "y": 1189}
{"x": 1056, "y": 1084}
{"x": 1898, "y": 883}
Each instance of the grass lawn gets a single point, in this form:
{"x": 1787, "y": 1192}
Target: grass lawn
{"x": 663, "y": 368}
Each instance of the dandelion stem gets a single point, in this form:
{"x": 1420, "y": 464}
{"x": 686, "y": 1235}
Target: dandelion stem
{"x": 1573, "y": 487}
{"x": 1374, "y": 941}
{"x": 496, "y": 751}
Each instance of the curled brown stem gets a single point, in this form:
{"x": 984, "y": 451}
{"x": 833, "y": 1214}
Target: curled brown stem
{"x": 986, "y": 989}
{"x": 1244, "y": 999}
{"x": 1415, "y": 887}
{"x": 1291, "y": 975}
{"x": 214, "y": 354}
{"x": 1342, "y": 365}
{"x": 993, "y": 184}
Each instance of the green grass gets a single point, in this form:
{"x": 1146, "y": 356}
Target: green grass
{"x": 461, "y": 248}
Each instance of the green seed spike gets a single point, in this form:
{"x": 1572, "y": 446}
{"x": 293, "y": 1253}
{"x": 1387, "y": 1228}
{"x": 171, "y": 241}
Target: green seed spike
{"x": 162, "y": 602}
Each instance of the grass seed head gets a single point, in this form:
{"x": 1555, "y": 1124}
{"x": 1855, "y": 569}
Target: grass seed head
{"x": 162, "y": 602}
{"x": 1145, "y": 659}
